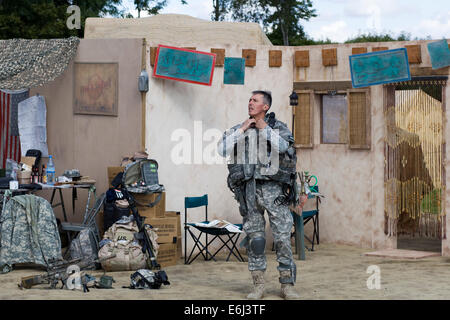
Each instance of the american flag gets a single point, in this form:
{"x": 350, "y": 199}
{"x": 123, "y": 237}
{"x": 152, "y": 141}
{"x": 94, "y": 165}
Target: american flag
{"x": 9, "y": 133}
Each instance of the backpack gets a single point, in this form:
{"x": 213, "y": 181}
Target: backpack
{"x": 85, "y": 246}
{"x": 120, "y": 240}
{"x": 140, "y": 176}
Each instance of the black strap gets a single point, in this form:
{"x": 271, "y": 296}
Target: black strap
{"x": 150, "y": 204}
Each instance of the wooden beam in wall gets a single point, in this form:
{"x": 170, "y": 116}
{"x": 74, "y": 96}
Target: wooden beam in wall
{"x": 220, "y": 56}
{"x": 275, "y": 58}
{"x": 323, "y": 85}
{"x": 329, "y": 57}
{"x": 379, "y": 49}
{"x": 153, "y": 55}
{"x": 414, "y": 54}
{"x": 143, "y": 94}
{"x": 359, "y": 50}
{"x": 302, "y": 58}
{"x": 250, "y": 57}
{"x": 428, "y": 71}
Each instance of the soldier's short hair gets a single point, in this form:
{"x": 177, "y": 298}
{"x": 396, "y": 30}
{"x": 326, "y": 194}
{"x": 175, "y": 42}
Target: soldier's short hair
{"x": 267, "y": 96}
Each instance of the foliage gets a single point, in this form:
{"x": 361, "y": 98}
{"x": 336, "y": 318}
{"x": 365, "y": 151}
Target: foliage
{"x": 381, "y": 37}
{"x": 220, "y": 9}
{"x": 46, "y": 19}
{"x": 279, "y": 18}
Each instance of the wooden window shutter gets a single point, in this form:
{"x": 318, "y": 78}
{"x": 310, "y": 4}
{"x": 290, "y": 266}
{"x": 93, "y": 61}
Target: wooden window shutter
{"x": 303, "y": 119}
{"x": 359, "y": 118}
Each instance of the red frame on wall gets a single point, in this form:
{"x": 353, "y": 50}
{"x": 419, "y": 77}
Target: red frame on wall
{"x": 180, "y": 79}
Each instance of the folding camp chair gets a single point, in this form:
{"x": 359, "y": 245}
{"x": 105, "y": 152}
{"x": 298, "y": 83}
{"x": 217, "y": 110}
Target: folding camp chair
{"x": 228, "y": 239}
{"x": 313, "y": 216}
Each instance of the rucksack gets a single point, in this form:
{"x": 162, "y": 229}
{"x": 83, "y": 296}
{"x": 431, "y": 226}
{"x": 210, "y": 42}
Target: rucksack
{"x": 120, "y": 239}
{"x": 85, "y": 247}
{"x": 140, "y": 176}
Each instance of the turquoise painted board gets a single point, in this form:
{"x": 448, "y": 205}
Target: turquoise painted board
{"x": 234, "y": 71}
{"x": 439, "y": 54}
{"x": 368, "y": 69}
{"x": 184, "y": 65}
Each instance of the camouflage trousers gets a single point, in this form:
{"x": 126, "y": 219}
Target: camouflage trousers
{"x": 281, "y": 223}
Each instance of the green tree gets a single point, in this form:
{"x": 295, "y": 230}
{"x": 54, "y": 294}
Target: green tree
{"x": 381, "y": 37}
{"x": 46, "y": 19}
{"x": 151, "y": 6}
{"x": 280, "y": 18}
{"x": 220, "y": 9}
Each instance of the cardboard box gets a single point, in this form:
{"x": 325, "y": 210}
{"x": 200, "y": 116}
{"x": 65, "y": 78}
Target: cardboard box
{"x": 167, "y": 228}
{"x": 29, "y": 161}
{"x": 175, "y": 214}
{"x": 179, "y": 248}
{"x": 167, "y": 254}
{"x": 112, "y": 173}
{"x": 155, "y": 212}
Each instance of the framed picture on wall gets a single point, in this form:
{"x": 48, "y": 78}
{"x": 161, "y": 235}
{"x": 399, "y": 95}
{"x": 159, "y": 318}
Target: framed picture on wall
{"x": 96, "y": 88}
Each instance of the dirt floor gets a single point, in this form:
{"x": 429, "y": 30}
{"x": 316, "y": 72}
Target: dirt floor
{"x": 330, "y": 272}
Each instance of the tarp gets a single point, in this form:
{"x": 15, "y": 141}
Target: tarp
{"x": 28, "y": 63}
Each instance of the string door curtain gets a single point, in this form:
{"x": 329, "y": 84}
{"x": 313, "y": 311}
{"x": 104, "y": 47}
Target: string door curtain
{"x": 414, "y": 158}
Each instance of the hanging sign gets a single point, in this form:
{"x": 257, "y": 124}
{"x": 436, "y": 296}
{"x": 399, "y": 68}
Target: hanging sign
{"x": 368, "y": 69}
{"x": 234, "y": 71}
{"x": 184, "y": 65}
{"x": 439, "y": 54}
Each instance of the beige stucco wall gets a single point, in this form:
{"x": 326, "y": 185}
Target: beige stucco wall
{"x": 351, "y": 180}
{"x": 172, "y": 105}
{"x": 91, "y": 143}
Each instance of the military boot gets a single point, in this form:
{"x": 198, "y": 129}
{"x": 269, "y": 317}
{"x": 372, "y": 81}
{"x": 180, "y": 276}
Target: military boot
{"x": 287, "y": 289}
{"x": 258, "y": 285}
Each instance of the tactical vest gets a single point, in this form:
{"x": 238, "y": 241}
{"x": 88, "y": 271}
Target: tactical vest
{"x": 240, "y": 173}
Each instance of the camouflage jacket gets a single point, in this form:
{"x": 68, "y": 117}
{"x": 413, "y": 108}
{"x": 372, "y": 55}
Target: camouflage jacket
{"x": 29, "y": 232}
{"x": 251, "y": 149}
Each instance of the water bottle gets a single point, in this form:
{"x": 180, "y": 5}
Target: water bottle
{"x": 50, "y": 171}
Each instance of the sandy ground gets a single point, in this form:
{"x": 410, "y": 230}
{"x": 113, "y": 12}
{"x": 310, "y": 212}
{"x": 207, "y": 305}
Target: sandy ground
{"x": 330, "y": 272}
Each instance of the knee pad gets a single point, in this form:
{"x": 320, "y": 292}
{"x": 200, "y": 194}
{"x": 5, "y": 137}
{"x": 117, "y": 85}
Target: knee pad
{"x": 258, "y": 245}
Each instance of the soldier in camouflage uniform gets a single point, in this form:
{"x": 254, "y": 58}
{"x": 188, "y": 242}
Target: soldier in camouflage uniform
{"x": 258, "y": 185}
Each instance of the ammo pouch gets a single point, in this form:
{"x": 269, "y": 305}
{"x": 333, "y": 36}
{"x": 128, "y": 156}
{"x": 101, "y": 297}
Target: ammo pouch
{"x": 236, "y": 176}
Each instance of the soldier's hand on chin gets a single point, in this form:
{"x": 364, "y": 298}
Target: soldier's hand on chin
{"x": 247, "y": 124}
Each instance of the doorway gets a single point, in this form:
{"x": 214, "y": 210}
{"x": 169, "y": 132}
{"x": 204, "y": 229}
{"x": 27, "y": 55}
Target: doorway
{"x": 414, "y": 163}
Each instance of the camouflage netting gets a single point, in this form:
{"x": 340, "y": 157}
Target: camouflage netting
{"x": 31, "y": 63}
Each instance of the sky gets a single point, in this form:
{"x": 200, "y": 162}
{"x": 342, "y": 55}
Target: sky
{"x": 339, "y": 20}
